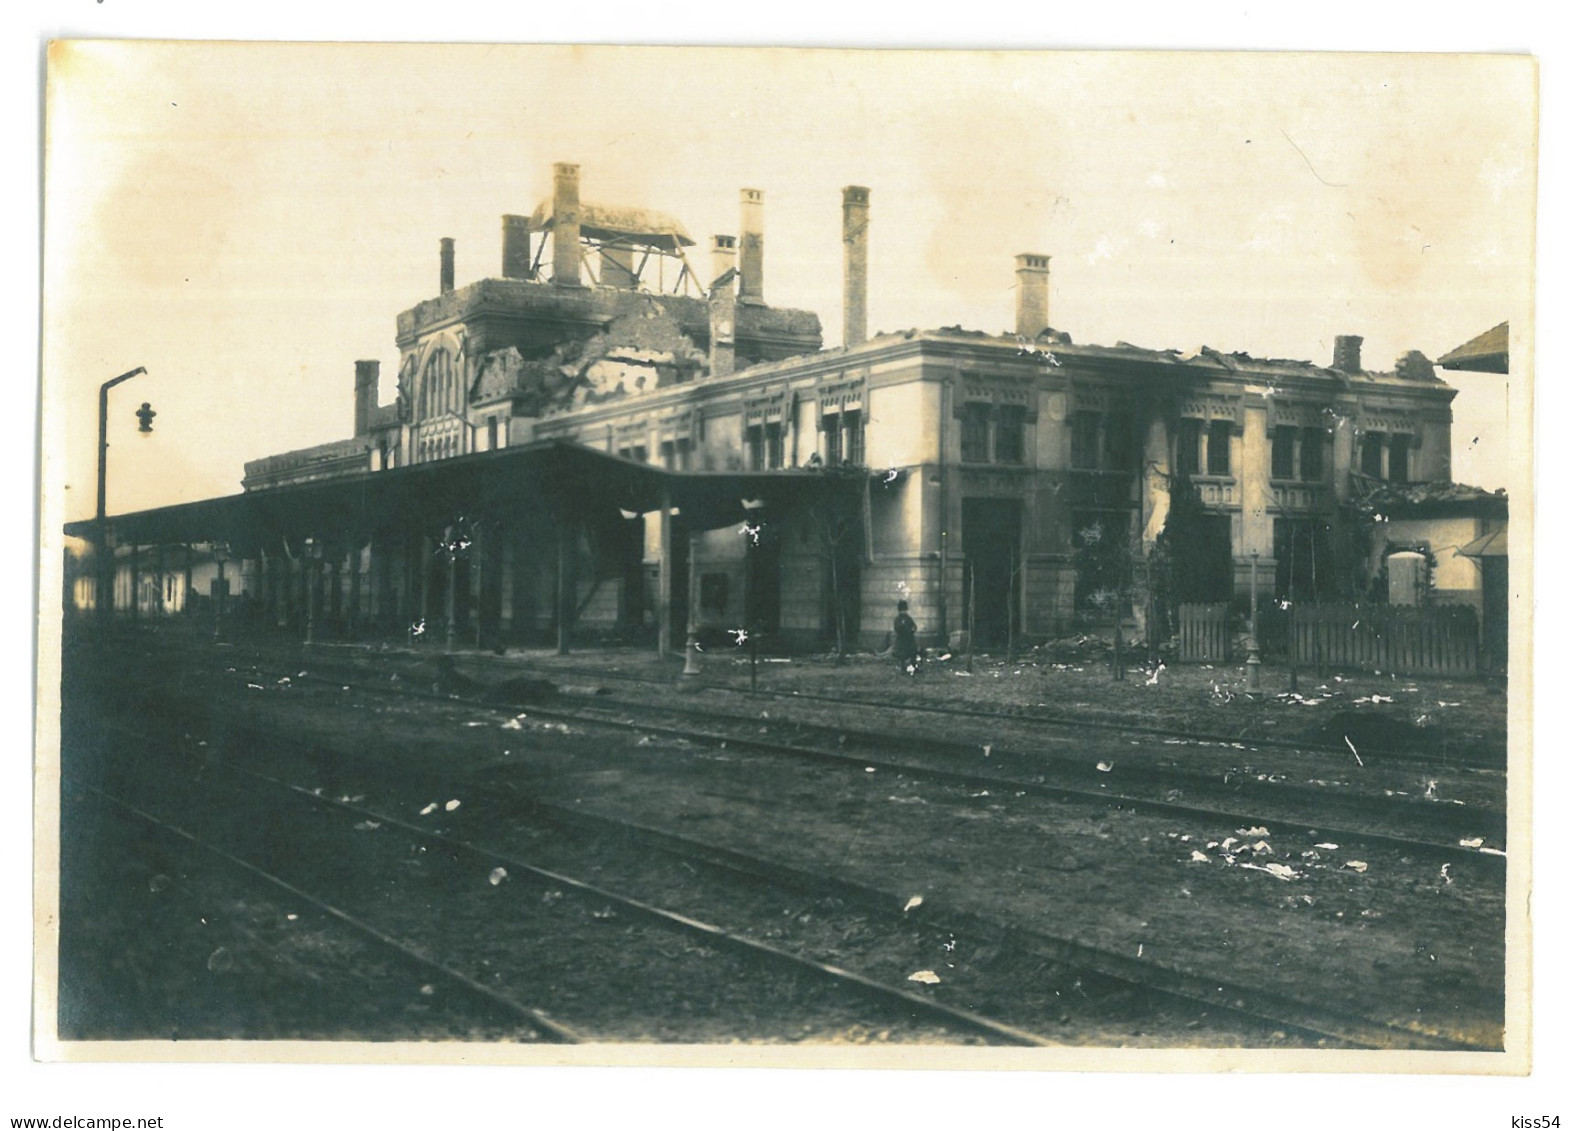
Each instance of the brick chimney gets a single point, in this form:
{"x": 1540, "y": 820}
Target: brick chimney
{"x": 1349, "y": 353}
{"x": 515, "y": 248}
{"x": 857, "y": 209}
{"x": 447, "y": 264}
{"x": 722, "y": 307}
{"x": 568, "y": 257}
{"x": 367, "y": 379}
{"x": 751, "y": 289}
{"x": 1031, "y": 290}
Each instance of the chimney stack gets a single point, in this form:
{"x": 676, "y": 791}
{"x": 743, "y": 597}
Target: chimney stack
{"x": 722, "y": 307}
{"x": 515, "y": 248}
{"x": 568, "y": 258}
{"x": 367, "y": 378}
{"x": 1349, "y": 353}
{"x": 447, "y": 265}
{"x": 857, "y": 213}
{"x": 751, "y": 247}
{"x": 1031, "y": 279}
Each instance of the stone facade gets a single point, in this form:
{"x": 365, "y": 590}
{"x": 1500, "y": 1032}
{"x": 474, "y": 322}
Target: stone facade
{"x": 1016, "y": 483}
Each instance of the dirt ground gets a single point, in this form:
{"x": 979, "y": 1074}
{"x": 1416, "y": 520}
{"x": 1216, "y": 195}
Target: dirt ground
{"x": 1375, "y": 935}
{"x": 1421, "y": 714}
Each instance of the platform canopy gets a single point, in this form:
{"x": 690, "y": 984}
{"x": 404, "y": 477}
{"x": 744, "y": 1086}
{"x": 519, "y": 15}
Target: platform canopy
{"x": 548, "y": 481}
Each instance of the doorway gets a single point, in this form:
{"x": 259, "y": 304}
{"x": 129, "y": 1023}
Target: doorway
{"x": 990, "y": 535}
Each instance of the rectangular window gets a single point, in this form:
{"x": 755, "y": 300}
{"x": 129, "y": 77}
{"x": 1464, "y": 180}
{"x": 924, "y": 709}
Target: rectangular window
{"x": 684, "y": 454}
{"x": 1313, "y": 455}
{"x": 1281, "y": 462}
{"x": 1188, "y": 446}
{"x": 1010, "y": 439}
{"x": 855, "y": 438}
{"x": 1400, "y": 458}
{"x": 668, "y": 455}
{"x": 1373, "y": 464}
{"x": 490, "y": 435}
{"x": 1218, "y": 461}
{"x": 1084, "y": 439}
{"x": 833, "y": 451}
{"x": 973, "y": 433}
{"x": 1120, "y": 442}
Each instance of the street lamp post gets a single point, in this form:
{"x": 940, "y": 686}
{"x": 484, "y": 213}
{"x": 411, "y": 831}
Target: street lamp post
{"x": 104, "y": 599}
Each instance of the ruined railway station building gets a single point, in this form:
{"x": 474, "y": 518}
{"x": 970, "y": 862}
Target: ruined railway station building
{"x": 1011, "y": 486}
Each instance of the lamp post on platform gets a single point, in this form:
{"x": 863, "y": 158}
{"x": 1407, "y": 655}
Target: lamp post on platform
{"x": 104, "y": 598}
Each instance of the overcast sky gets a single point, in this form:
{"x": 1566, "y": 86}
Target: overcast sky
{"x": 246, "y": 221}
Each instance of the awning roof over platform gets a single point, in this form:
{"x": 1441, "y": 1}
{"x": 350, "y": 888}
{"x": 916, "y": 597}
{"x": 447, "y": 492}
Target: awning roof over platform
{"x": 555, "y": 478}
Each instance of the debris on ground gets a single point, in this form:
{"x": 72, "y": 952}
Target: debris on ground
{"x": 497, "y": 876}
{"x": 925, "y": 977}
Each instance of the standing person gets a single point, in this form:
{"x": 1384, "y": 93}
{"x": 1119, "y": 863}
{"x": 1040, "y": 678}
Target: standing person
{"x": 905, "y": 650}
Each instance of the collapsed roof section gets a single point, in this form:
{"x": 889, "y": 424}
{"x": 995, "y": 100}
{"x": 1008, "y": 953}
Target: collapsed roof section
{"x": 616, "y": 224}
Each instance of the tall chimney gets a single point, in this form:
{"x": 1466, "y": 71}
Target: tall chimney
{"x": 515, "y": 248}
{"x": 568, "y": 258}
{"x": 447, "y": 261}
{"x": 857, "y": 208}
{"x": 1030, "y": 295}
{"x": 367, "y": 377}
{"x": 751, "y": 247}
{"x": 722, "y": 307}
{"x": 1349, "y": 353}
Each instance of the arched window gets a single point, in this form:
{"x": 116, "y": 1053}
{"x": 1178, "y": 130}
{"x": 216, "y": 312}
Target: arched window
{"x": 436, "y": 384}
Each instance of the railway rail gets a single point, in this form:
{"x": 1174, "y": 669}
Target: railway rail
{"x": 538, "y": 1024}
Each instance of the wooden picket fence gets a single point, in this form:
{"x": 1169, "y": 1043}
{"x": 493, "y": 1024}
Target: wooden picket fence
{"x": 1202, "y": 632}
{"x": 1438, "y": 640}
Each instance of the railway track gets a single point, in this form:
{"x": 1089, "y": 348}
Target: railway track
{"x": 1045, "y": 719}
{"x": 1425, "y": 829}
{"x": 511, "y": 808}
{"x": 491, "y": 1011}
{"x": 764, "y": 987}
{"x": 1247, "y": 1015}
{"x": 1052, "y": 719}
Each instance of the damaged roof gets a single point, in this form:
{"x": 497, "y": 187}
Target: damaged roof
{"x": 1434, "y": 498}
{"x": 615, "y": 223}
{"x": 1411, "y": 368}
